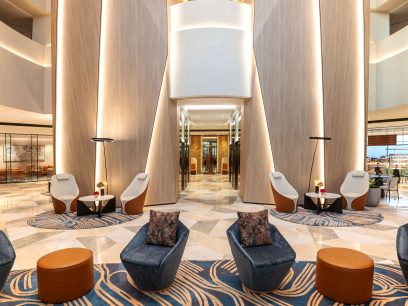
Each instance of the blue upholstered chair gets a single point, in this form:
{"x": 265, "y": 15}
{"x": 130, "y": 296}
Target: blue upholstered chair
{"x": 153, "y": 267}
{"x": 7, "y": 257}
{"x": 261, "y": 268}
{"x": 402, "y": 250}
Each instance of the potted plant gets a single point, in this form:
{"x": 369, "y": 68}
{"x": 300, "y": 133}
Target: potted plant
{"x": 374, "y": 194}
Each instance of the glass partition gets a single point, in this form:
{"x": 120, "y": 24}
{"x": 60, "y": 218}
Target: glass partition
{"x": 26, "y": 157}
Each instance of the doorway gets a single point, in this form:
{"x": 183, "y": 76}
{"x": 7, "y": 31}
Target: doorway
{"x": 209, "y": 154}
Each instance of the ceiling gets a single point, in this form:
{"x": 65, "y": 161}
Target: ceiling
{"x": 210, "y": 113}
{"x": 14, "y": 115}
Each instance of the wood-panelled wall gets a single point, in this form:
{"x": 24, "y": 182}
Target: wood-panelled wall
{"x": 285, "y": 48}
{"x": 196, "y": 150}
{"x": 163, "y": 159}
{"x": 309, "y": 79}
{"x": 256, "y": 156}
{"x": 136, "y": 53}
{"x": 222, "y": 150}
{"x": 344, "y": 88}
{"x": 77, "y": 96}
{"x": 133, "y": 95}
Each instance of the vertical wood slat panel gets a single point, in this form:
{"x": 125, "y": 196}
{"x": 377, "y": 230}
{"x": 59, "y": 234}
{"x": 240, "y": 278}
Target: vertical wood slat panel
{"x": 163, "y": 159}
{"x": 136, "y": 55}
{"x": 339, "y": 23}
{"x": 285, "y": 50}
{"x": 256, "y": 157}
{"x": 79, "y": 64}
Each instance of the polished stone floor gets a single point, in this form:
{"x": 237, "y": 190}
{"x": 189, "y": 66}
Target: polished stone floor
{"x": 208, "y": 207}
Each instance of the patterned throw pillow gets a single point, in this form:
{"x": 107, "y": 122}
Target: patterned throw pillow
{"x": 162, "y": 229}
{"x": 254, "y": 228}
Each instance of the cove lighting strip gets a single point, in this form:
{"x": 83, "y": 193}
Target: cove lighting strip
{"x": 361, "y": 118}
{"x": 101, "y": 91}
{"x": 59, "y": 89}
{"x": 319, "y": 84}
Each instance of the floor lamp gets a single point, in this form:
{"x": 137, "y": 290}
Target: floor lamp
{"x": 103, "y": 140}
{"x": 314, "y": 155}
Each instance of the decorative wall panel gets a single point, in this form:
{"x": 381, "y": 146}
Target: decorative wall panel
{"x": 78, "y": 29}
{"x": 135, "y": 52}
{"x": 222, "y": 150}
{"x": 286, "y": 45}
{"x": 196, "y": 150}
{"x": 256, "y": 156}
{"x": 163, "y": 159}
{"x": 344, "y": 87}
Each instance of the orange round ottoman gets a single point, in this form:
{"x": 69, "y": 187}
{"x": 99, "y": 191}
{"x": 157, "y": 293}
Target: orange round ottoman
{"x": 65, "y": 275}
{"x": 344, "y": 275}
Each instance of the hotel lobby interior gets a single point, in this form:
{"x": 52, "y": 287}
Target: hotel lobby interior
{"x": 203, "y": 152}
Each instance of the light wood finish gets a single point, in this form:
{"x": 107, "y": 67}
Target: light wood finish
{"x": 282, "y": 203}
{"x": 285, "y": 45}
{"x": 196, "y": 150}
{"x": 367, "y": 67}
{"x": 222, "y": 150}
{"x": 135, "y": 206}
{"x": 339, "y": 19}
{"x": 163, "y": 160}
{"x": 136, "y": 52}
{"x": 79, "y": 90}
{"x": 256, "y": 157}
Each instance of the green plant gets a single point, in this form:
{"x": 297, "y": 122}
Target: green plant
{"x": 376, "y": 182}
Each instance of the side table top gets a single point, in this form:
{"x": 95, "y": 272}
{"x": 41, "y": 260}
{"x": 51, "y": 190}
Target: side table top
{"x": 93, "y": 198}
{"x": 324, "y": 195}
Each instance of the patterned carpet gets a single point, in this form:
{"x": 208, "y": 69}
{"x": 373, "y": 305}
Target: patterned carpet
{"x": 70, "y": 221}
{"x": 328, "y": 219}
{"x": 206, "y": 283}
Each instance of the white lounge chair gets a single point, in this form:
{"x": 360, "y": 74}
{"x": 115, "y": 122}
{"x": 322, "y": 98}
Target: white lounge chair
{"x": 355, "y": 190}
{"x": 285, "y": 196}
{"x": 134, "y": 196}
{"x": 64, "y": 193}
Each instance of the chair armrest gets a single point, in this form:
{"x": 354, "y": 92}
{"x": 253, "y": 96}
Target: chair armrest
{"x": 402, "y": 242}
{"x": 6, "y": 248}
{"x": 277, "y": 238}
{"x": 182, "y": 237}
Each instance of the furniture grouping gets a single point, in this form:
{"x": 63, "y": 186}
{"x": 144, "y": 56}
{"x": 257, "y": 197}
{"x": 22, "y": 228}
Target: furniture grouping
{"x": 65, "y": 197}
{"x": 263, "y": 260}
{"x": 353, "y": 194}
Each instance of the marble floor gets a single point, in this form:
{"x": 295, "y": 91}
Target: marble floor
{"x": 208, "y": 207}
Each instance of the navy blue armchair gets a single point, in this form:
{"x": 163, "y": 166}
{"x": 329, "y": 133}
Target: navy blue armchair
{"x": 7, "y": 257}
{"x": 402, "y": 249}
{"x": 261, "y": 268}
{"x": 153, "y": 267}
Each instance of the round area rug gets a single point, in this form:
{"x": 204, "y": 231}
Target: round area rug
{"x": 329, "y": 219}
{"x": 70, "y": 221}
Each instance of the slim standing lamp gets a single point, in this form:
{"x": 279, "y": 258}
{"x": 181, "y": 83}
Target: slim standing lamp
{"x": 103, "y": 140}
{"x": 317, "y": 138}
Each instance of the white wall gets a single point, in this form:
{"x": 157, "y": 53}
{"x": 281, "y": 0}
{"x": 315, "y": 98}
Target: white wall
{"x": 25, "y": 72}
{"x": 389, "y": 71}
{"x": 210, "y": 49}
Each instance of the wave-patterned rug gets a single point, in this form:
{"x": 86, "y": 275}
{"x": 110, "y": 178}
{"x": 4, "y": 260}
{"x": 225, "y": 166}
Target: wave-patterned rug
{"x": 206, "y": 283}
{"x": 329, "y": 219}
{"x": 70, "y": 221}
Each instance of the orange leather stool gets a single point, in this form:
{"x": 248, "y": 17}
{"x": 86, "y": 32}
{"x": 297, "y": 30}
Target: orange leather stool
{"x": 344, "y": 275}
{"x": 65, "y": 275}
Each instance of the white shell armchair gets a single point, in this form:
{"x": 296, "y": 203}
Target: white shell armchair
{"x": 285, "y": 196}
{"x": 64, "y": 193}
{"x": 354, "y": 190}
{"x": 134, "y": 196}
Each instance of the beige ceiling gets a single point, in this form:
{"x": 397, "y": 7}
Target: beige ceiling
{"x": 14, "y": 115}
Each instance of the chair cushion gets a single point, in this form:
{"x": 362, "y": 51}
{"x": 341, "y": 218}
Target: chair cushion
{"x": 269, "y": 255}
{"x": 162, "y": 228}
{"x": 276, "y": 175}
{"x": 147, "y": 255}
{"x": 254, "y": 228}
{"x": 62, "y": 176}
{"x": 142, "y": 176}
{"x": 358, "y": 173}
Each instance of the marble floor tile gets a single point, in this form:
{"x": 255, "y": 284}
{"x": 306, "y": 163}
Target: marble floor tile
{"x": 208, "y": 207}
